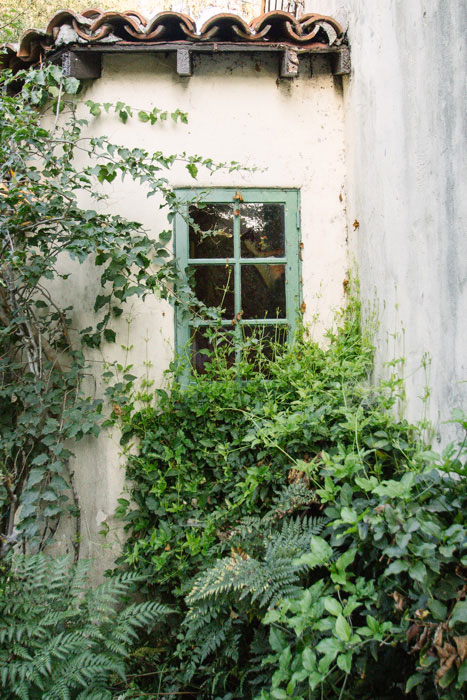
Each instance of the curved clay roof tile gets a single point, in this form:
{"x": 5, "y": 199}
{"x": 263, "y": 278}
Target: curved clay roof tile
{"x": 92, "y": 13}
{"x": 251, "y": 36}
{"x": 170, "y": 26}
{"x": 63, "y": 17}
{"x": 282, "y": 26}
{"x": 30, "y": 44}
{"x": 117, "y": 23}
{"x": 94, "y": 25}
{"x": 221, "y": 27}
{"x": 311, "y": 19}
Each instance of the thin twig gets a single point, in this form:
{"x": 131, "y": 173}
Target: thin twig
{"x": 59, "y": 99}
{"x": 77, "y": 539}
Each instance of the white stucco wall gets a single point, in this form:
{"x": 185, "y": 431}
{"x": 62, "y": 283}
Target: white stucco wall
{"x": 406, "y": 125}
{"x": 291, "y": 131}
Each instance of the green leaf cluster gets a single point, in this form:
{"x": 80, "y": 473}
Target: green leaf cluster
{"x": 60, "y": 639}
{"x": 370, "y": 605}
{"x": 44, "y": 408}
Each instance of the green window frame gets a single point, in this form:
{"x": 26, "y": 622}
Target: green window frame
{"x": 241, "y": 264}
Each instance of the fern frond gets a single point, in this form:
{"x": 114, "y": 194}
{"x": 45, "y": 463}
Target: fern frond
{"x": 265, "y": 580}
{"x": 58, "y": 637}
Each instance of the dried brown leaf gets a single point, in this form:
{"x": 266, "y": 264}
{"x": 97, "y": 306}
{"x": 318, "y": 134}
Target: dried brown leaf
{"x": 400, "y": 601}
{"x": 461, "y": 644}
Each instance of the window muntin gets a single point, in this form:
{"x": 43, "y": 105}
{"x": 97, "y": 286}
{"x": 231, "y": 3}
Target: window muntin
{"x": 241, "y": 250}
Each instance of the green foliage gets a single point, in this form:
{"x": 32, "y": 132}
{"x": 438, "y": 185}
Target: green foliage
{"x": 59, "y": 638}
{"x": 213, "y": 452}
{"x": 267, "y": 576}
{"x": 43, "y": 407}
{"x": 11, "y": 24}
{"x": 221, "y": 631}
{"x": 224, "y": 481}
{"x": 395, "y": 597}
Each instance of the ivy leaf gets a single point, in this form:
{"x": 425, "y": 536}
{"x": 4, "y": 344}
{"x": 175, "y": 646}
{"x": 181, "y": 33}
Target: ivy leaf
{"x": 56, "y": 72}
{"x": 413, "y": 681}
{"x": 165, "y": 236}
{"x": 459, "y": 614}
{"x": 346, "y": 559}
{"x": 279, "y": 694}
{"x": 321, "y": 553}
{"x": 462, "y": 676}
{"x": 308, "y": 660}
{"x": 40, "y": 459}
{"x": 437, "y": 609}
{"x": 396, "y": 489}
{"x": 343, "y": 629}
{"x": 396, "y": 567}
{"x": 344, "y": 661}
{"x": 349, "y": 515}
{"x": 321, "y": 549}
{"x": 51, "y": 511}
{"x": 276, "y": 640}
{"x": 333, "y": 606}
{"x": 93, "y": 107}
{"x": 109, "y": 335}
{"x": 101, "y": 300}
{"x": 192, "y": 169}
{"x": 330, "y": 646}
{"x": 36, "y": 476}
{"x": 71, "y": 85}
{"x": 49, "y": 495}
{"x": 418, "y": 571}
{"x": 447, "y": 678}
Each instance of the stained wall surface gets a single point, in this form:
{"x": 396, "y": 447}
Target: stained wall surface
{"x": 288, "y": 132}
{"x": 406, "y": 126}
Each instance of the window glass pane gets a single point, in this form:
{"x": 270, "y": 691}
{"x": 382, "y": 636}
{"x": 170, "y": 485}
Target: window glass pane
{"x": 206, "y": 342}
{"x": 262, "y": 230}
{"x": 263, "y": 291}
{"x": 211, "y": 232}
{"x": 214, "y": 286}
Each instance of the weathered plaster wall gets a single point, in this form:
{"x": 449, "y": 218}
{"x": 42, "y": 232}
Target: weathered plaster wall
{"x": 290, "y": 131}
{"x": 406, "y": 125}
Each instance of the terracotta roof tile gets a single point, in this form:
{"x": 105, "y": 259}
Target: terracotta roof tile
{"x": 94, "y": 27}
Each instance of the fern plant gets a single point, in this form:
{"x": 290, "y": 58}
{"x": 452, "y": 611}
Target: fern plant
{"x": 264, "y": 579}
{"x": 61, "y": 640}
{"x": 229, "y": 599}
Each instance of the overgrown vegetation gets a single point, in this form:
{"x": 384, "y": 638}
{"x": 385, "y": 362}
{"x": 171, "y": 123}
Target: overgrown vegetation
{"x": 312, "y": 545}
{"x": 306, "y": 540}
{"x": 61, "y": 639}
{"x": 46, "y": 167}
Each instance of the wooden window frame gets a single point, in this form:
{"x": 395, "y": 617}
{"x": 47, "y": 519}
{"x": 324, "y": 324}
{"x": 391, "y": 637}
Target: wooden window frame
{"x": 290, "y": 198}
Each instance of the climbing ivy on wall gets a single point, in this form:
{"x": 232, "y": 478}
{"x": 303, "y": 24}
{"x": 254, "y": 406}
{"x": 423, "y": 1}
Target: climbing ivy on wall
{"x": 43, "y": 406}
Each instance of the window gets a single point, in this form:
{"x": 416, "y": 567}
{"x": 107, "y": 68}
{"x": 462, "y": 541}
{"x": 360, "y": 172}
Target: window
{"x": 240, "y": 249}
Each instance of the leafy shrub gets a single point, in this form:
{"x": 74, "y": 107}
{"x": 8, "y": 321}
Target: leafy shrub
{"x": 58, "y": 638}
{"x": 229, "y": 600}
{"x": 44, "y": 405}
{"x": 225, "y": 466}
{"x": 389, "y": 614}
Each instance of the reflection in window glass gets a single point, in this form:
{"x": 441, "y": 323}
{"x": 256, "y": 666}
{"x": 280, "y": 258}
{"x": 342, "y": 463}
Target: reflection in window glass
{"x": 211, "y": 231}
{"x": 263, "y": 291}
{"x": 214, "y": 286}
{"x": 262, "y": 230}
{"x": 240, "y": 249}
